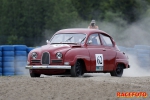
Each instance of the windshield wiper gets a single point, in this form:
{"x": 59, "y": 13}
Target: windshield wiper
{"x": 69, "y": 38}
{"x": 82, "y": 40}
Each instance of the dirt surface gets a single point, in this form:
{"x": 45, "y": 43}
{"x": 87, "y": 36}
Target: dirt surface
{"x": 88, "y": 87}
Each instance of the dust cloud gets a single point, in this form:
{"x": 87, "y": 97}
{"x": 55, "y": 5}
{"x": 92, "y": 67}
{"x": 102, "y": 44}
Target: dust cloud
{"x": 135, "y": 69}
{"x": 124, "y": 34}
{"x": 127, "y": 35}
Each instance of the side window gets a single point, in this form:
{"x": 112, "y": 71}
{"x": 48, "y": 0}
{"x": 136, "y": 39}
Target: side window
{"x": 94, "y": 39}
{"x": 106, "y": 40}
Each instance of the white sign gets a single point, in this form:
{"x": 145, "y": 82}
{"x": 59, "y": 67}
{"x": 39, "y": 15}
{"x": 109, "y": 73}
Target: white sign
{"x": 60, "y": 45}
{"x": 99, "y": 62}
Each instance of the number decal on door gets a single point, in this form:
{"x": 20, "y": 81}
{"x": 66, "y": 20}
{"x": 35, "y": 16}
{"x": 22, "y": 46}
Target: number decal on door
{"x": 99, "y": 62}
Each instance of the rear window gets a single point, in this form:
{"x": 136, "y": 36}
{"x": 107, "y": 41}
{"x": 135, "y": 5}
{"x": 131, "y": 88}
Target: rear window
{"x": 106, "y": 40}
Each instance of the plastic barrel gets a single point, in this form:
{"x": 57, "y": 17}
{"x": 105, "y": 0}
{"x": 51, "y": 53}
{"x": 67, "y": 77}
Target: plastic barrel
{"x": 0, "y": 48}
{"x": 1, "y": 53}
{"x": 143, "y": 51}
{"x": 20, "y": 47}
{"x": 8, "y": 68}
{"x": 8, "y": 60}
{"x": 21, "y": 62}
{"x": 141, "y": 47}
{"x": 131, "y": 51}
{"x": 1, "y": 69}
{"x": 29, "y": 49}
{"x": 143, "y": 55}
{"x": 20, "y": 68}
{"x": 121, "y": 48}
{"x": 1, "y": 61}
{"x": 20, "y": 53}
{"x": 8, "y": 53}
{"x": 20, "y": 59}
{"x": 7, "y": 47}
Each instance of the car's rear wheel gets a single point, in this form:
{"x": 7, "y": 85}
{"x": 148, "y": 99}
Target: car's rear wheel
{"x": 118, "y": 71}
{"x": 32, "y": 74}
{"x": 77, "y": 69}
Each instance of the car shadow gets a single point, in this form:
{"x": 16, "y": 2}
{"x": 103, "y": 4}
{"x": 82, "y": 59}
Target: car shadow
{"x": 84, "y": 76}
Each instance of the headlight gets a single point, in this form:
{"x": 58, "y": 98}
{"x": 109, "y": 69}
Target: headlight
{"x": 34, "y": 55}
{"x": 59, "y": 55}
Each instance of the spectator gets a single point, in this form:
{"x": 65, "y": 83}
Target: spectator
{"x": 93, "y": 25}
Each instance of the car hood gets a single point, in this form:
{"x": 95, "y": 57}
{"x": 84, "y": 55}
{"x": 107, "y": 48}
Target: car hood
{"x": 55, "y": 48}
{"x": 52, "y": 47}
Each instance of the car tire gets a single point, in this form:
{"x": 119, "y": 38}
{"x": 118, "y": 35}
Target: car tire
{"x": 118, "y": 71}
{"x": 34, "y": 74}
{"x": 77, "y": 69}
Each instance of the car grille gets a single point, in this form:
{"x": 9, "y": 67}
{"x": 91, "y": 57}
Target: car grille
{"x": 35, "y": 61}
{"x": 45, "y": 58}
{"x": 56, "y": 61}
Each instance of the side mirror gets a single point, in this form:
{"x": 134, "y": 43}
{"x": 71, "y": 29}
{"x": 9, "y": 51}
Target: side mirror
{"x": 89, "y": 42}
{"x": 47, "y": 41}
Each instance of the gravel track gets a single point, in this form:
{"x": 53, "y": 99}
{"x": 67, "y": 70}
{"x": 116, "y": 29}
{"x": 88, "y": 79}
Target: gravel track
{"x": 88, "y": 87}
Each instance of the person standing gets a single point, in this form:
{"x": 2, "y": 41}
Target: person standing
{"x": 93, "y": 25}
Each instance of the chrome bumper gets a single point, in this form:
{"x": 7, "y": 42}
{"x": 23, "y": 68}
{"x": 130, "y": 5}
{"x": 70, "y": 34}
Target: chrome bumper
{"x": 48, "y": 67}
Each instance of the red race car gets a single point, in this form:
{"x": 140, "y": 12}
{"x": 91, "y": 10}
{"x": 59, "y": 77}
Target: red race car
{"x": 77, "y": 51}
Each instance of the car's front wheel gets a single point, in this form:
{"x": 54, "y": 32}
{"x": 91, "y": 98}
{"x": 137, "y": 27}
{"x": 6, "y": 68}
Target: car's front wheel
{"x": 118, "y": 71}
{"x": 77, "y": 69}
{"x": 32, "y": 74}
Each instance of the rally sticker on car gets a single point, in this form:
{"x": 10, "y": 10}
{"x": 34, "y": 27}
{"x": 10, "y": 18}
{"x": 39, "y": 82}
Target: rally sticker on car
{"x": 99, "y": 62}
{"x": 60, "y": 45}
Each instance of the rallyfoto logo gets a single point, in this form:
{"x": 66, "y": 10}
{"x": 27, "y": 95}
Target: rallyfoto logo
{"x": 131, "y": 94}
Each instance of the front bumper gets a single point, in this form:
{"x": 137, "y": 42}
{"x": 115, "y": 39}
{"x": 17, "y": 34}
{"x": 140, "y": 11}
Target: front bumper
{"x": 48, "y": 67}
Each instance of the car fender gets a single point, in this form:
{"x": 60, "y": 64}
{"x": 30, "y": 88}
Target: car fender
{"x": 121, "y": 58}
{"x": 74, "y": 54}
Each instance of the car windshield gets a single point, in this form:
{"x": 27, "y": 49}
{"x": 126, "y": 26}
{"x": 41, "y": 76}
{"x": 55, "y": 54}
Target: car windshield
{"x": 68, "y": 38}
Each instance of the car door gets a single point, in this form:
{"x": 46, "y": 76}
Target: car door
{"x": 110, "y": 51}
{"x": 97, "y": 53}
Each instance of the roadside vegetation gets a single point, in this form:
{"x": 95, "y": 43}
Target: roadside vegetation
{"x": 30, "y": 22}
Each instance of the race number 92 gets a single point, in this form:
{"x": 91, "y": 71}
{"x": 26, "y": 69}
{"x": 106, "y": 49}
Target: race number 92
{"x": 99, "y": 62}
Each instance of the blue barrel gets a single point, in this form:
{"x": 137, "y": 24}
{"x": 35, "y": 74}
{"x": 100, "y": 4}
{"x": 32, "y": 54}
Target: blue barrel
{"x": 141, "y": 47}
{"x": 123, "y": 49}
{"x": 1, "y": 54}
{"x": 21, "y": 58}
{"x": 8, "y": 53}
{"x": 131, "y": 51}
{"x": 0, "y": 48}
{"x": 143, "y": 51}
{"x": 1, "y": 61}
{"x": 20, "y": 67}
{"x": 8, "y": 60}
{"x": 20, "y": 47}
{"x": 29, "y": 49}
{"x": 7, "y": 47}
{"x": 1, "y": 70}
{"x": 8, "y": 68}
{"x": 20, "y": 53}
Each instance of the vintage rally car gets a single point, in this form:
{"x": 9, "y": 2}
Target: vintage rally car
{"x": 77, "y": 51}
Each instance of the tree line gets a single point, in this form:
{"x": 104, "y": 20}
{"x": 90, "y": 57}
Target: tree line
{"x": 25, "y": 21}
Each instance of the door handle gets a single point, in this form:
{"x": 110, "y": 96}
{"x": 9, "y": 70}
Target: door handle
{"x": 104, "y": 49}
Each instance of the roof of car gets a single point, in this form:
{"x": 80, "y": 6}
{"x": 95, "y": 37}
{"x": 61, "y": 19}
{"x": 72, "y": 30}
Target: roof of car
{"x": 80, "y": 30}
